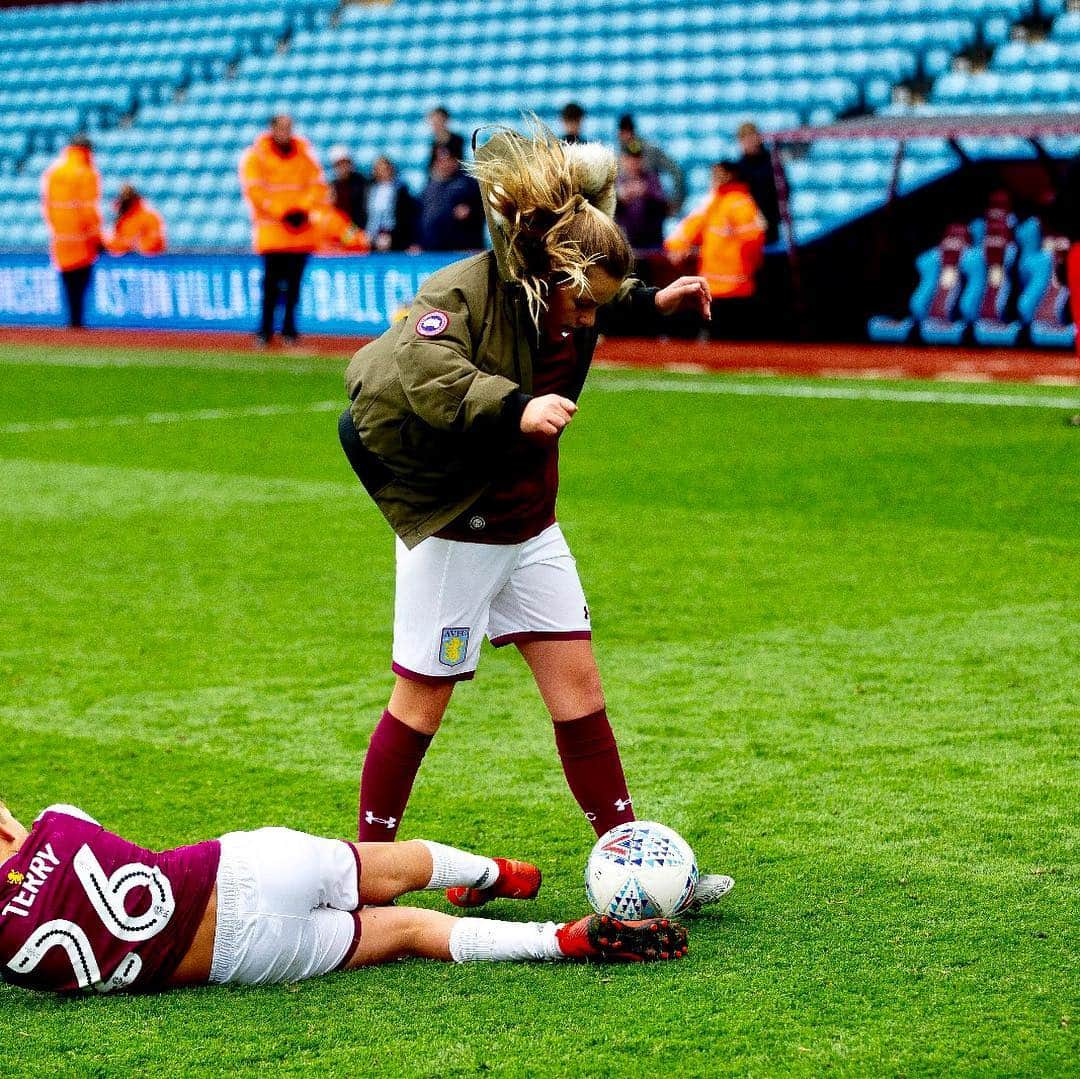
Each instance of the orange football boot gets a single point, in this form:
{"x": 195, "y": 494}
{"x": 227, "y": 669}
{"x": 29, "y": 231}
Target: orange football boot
{"x": 602, "y": 937}
{"x": 516, "y": 880}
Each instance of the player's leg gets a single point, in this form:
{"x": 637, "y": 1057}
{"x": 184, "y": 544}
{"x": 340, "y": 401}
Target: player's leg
{"x": 389, "y": 933}
{"x": 287, "y": 910}
{"x": 566, "y": 675}
{"x": 392, "y": 870}
{"x": 442, "y": 595}
{"x": 543, "y": 611}
{"x": 395, "y": 753}
{"x": 569, "y": 682}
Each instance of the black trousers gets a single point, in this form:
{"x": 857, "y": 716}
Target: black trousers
{"x": 282, "y": 273}
{"x": 75, "y": 283}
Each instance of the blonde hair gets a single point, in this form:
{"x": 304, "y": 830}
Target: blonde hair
{"x": 553, "y": 203}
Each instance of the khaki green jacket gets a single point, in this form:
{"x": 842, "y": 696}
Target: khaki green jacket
{"x": 435, "y": 412}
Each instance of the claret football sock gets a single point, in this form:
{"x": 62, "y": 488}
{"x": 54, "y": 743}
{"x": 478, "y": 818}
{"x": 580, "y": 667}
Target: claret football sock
{"x": 393, "y": 759}
{"x": 590, "y": 759}
{"x": 481, "y": 939}
{"x": 451, "y": 867}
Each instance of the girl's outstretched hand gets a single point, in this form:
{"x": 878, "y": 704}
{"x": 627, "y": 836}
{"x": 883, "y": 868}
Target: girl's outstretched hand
{"x": 685, "y": 294}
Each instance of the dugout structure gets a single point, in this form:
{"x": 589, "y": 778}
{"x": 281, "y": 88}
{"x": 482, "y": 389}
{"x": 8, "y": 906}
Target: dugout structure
{"x": 867, "y": 266}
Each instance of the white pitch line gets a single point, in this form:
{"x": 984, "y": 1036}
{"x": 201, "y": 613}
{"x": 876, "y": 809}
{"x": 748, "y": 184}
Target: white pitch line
{"x": 838, "y": 393}
{"x": 258, "y": 365}
{"x": 736, "y": 389}
{"x": 85, "y": 422}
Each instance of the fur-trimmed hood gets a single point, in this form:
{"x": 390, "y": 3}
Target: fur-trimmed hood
{"x": 593, "y": 168}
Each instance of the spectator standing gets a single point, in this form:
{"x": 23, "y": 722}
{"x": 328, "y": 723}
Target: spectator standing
{"x": 451, "y": 210}
{"x": 573, "y": 117}
{"x": 729, "y": 231}
{"x": 348, "y": 190}
{"x": 756, "y": 166}
{"x": 655, "y": 161}
{"x": 284, "y": 185}
{"x": 139, "y": 226}
{"x": 70, "y": 195}
{"x": 642, "y": 205}
{"x": 391, "y": 209}
{"x": 443, "y": 137}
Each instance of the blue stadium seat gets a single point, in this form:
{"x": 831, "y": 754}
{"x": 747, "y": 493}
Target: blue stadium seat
{"x": 992, "y": 330}
{"x": 1042, "y": 305}
{"x": 1067, "y": 27}
{"x": 691, "y": 69}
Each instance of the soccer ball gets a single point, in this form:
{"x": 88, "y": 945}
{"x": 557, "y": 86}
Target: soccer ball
{"x": 641, "y": 870}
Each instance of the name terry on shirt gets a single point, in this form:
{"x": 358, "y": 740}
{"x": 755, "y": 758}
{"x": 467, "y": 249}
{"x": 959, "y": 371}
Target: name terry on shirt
{"x": 37, "y": 872}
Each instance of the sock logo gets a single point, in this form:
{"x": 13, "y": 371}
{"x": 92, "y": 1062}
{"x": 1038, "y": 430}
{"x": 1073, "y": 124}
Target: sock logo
{"x": 623, "y": 803}
{"x": 370, "y": 818}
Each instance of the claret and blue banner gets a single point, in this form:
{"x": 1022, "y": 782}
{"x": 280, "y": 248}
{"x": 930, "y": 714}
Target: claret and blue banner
{"x": 340, "y": 295}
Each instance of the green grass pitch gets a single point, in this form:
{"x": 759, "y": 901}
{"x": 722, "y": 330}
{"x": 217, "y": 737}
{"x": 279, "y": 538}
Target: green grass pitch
{"x": 840, "y": 642}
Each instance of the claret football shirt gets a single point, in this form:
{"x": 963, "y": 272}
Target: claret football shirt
{"x": 83, "y": 909}
{"x": 521, "y": 502}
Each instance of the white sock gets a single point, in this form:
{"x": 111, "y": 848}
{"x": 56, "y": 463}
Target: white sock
{"x": 482, "y": 939}
{"x": 451, "y": 867}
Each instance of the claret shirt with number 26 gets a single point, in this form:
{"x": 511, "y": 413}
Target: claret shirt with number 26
{"x": 83, "y": 909}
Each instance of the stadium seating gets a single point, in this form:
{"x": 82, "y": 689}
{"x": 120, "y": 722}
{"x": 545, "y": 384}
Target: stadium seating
{"x": 1044, "y": 301}
{"x": 172, "y": 101}
{"x": 966, "y": 285}
{"x": 1022, "y": 77}
{"x": 111, "y": 69}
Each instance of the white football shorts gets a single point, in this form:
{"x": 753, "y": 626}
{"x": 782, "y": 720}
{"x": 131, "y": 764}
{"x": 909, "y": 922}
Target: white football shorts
{"x": 286, "y": 907}
{"x": 449, "y": 595}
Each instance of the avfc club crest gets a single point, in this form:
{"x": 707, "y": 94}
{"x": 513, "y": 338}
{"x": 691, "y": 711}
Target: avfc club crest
{"x": 454, "y": 647}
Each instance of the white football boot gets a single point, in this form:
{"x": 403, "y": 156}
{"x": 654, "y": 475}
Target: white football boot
{"x": 711, "y": 888}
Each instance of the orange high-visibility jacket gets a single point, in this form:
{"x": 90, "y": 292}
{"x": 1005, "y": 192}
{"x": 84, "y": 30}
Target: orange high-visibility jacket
{"x": 729, "y": 229}
{"x": 337, "y": 233}
{"x": 140, "y": 229}
{"x": 70, "y": 190}
{"x": 277, "y": 183}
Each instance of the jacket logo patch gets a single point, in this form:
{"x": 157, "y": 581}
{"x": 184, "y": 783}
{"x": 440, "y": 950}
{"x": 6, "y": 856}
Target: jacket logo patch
{"x": 432, "y": 324}
{"x": 455, "y": 646}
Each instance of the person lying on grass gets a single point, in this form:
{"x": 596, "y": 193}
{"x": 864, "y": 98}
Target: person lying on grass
{"x": 83, "y": 909}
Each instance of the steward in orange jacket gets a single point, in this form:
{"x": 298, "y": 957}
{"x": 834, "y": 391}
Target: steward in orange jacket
{"x": 138, "y": 226}
{"x": 283, "y": 184}
{"x": 337, "y": 233}
{"x": 730, "y": 231}
{"x": 70, "y": 191}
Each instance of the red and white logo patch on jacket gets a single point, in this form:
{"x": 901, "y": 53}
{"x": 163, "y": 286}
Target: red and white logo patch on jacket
{"x": 432, "y": 324}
